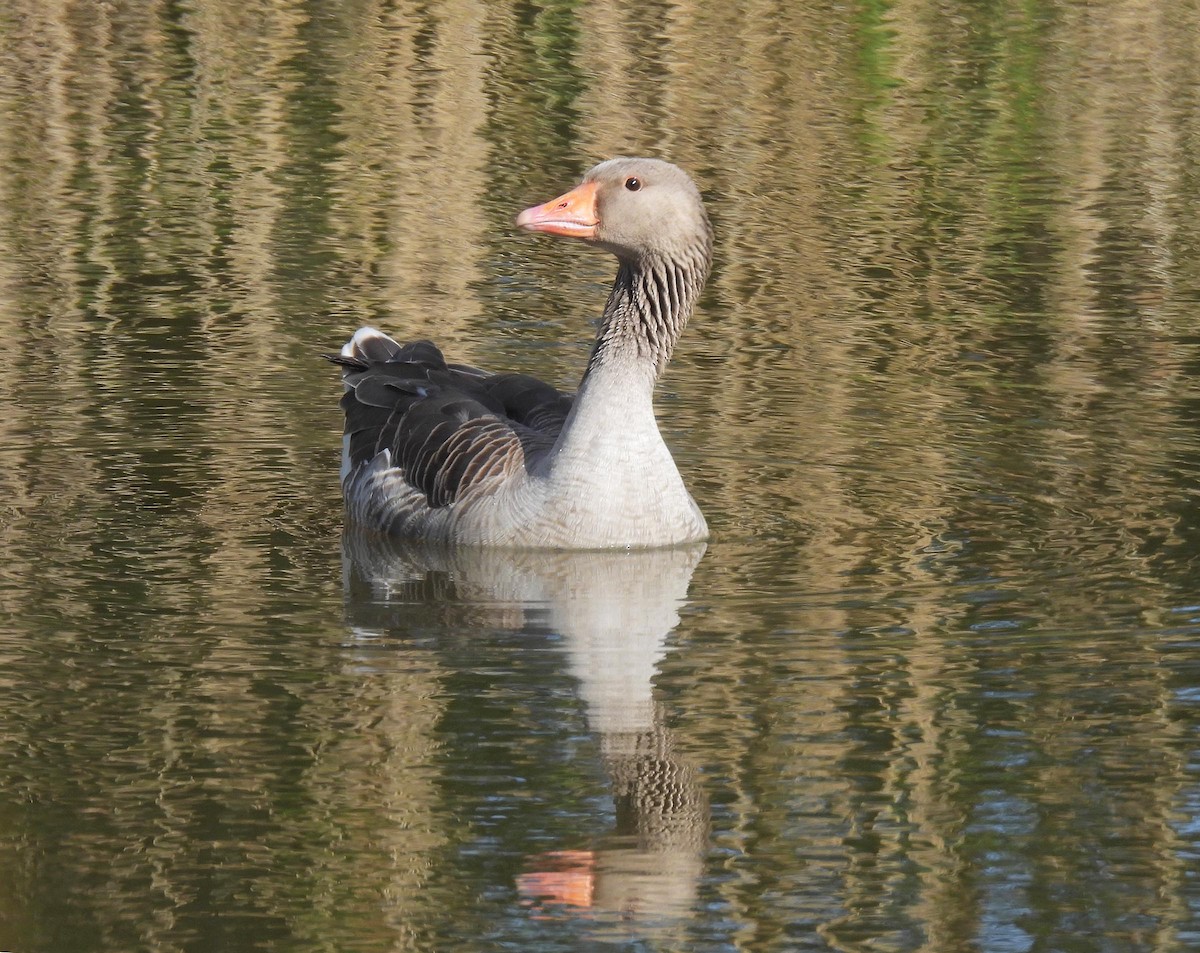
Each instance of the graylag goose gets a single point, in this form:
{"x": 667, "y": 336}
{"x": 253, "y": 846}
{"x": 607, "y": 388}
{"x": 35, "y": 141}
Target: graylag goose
{"x": 451, "y": 454}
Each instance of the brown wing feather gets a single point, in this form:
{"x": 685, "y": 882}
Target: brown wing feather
{"x": 450, "y": 429}
{"x": 438, "y": 439}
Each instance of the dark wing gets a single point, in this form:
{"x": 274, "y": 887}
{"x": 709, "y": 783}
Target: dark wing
{"x": 530, "y": 402}
{"x": 449, "y": 428}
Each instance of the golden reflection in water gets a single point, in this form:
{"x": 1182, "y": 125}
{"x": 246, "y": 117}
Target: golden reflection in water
{"x": 951, "y": 316}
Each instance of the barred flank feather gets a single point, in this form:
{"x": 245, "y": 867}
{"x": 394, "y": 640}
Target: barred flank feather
{"x": 447, "y": 428}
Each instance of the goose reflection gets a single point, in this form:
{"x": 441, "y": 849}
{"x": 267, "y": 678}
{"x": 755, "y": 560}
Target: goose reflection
{"x": 614, "y": 612}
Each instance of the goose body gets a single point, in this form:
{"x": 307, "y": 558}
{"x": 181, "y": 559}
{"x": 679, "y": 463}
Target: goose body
{"x": 453, "y": 454}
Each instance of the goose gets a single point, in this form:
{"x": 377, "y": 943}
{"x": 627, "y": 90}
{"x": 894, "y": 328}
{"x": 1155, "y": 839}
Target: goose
{"x": 451, "y": 454}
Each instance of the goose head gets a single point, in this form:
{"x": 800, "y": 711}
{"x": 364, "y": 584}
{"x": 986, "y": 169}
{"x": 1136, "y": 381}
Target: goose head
{"x": 638, "y": 209}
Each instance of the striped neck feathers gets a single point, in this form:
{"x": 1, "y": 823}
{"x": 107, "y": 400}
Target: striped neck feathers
{"x": 647, "y": 309}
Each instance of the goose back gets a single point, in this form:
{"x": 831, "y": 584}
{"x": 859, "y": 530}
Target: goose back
{"x": 453, "y": 431}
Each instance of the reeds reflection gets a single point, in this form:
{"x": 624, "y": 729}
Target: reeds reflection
{"x": 936, "y": 683}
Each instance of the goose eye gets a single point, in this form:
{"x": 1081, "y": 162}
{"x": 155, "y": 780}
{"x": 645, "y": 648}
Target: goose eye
{"x": 633, "y": 183}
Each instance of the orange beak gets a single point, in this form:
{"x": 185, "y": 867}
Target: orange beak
{"x": 573, "y": 214}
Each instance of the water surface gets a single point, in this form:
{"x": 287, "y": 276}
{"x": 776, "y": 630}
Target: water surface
{"x": 933, "y": 685}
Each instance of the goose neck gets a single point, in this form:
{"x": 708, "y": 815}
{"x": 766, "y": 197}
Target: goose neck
{"x": 647, "y": 309}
